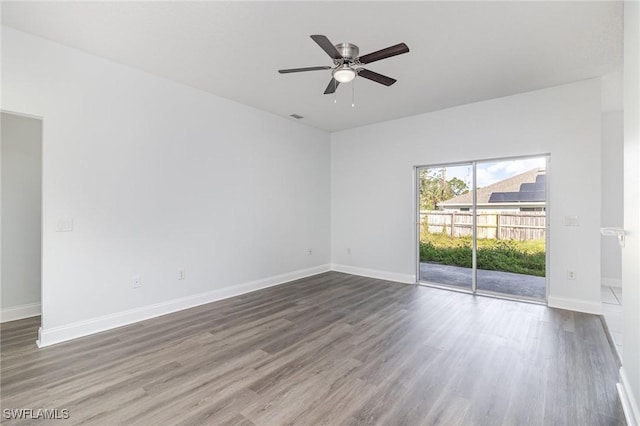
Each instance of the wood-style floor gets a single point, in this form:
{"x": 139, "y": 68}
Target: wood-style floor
{"x": 331, "y": 349}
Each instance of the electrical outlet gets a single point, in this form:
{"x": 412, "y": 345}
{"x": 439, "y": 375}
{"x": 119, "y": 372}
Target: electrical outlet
{"x": 65, "y": 224}
{"x": 181, "y": 274}
{"x": 136, "y": 281}
{"x": 310, "y": 252}
{"x": 349, "y": 250}
{"x": 572, "y": 221}
{"x": 571, "y": 274}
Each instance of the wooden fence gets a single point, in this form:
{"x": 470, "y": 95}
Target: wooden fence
{"x": 503, "y": 225}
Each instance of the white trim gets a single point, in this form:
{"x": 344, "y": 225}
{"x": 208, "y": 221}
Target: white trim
{"x": 416, "y": 220}
{"x": 19, "y": 312}
{"x": 374, "y": 273}
{"x": 628, "y": 400}
{"x": 63, "y": 333}
{"x": 575, "y": 305}
{"x": 21, "y": 114}
{"x": 485, "y": 160}
{"x": 611, "y": 282}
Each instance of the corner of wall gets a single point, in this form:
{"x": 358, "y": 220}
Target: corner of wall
{"x": 577, "y": 305}
{"x": 628, "y": 400}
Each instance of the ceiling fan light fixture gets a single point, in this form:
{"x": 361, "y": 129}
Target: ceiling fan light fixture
{"x": 344, "y": 74}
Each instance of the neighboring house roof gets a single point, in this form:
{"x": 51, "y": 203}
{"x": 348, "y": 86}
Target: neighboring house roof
{"x": 527, "y": 187}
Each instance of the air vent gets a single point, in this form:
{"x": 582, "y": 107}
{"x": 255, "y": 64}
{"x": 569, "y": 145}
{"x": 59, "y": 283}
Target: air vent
{"x": 296, "y": 116}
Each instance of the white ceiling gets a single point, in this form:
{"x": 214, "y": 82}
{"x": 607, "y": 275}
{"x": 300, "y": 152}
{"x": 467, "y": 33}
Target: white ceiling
{"x": 461, "y": 52}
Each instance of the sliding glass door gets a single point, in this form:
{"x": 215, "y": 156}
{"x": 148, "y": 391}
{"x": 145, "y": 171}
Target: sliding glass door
{"x": 446, "y": 236}
{"x": 482, "y": 226}
{"x": 511, "y": 227}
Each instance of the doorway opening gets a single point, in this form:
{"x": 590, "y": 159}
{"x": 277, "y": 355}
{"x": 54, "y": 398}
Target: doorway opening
{"x": 21, "y": 226}
{"x": 482, "y": 227}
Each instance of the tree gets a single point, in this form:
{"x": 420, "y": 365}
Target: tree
{"x": 458, "y": 186}
{"x": 435, "y": 188}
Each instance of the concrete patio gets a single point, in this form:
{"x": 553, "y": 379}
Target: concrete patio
{"x": 508, "y": 283}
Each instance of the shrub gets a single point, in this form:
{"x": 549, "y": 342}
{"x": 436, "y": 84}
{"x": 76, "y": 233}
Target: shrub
{"x": 522, "y": 257}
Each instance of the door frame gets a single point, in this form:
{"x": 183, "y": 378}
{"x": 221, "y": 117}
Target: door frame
{"x": 474, "y": 290}
{"x": 42, "y": 206}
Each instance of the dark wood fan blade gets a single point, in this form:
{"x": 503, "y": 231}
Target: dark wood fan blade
{"x": 332, "y": 86}
{"x": 303, "y": 69}
{"x": 398, "y": 49}
{"x": 327, "y": 46}
{"x": 374, "y": 76}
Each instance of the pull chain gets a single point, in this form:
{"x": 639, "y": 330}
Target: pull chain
{"x": 353, "y": 93}
{"x": 335, "y": 87}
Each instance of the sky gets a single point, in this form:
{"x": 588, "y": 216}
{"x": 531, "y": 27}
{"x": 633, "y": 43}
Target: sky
{"x": 491, "y": 172}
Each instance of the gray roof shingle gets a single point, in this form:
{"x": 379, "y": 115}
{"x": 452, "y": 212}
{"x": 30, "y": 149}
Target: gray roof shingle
{"x": 529, "y": 186}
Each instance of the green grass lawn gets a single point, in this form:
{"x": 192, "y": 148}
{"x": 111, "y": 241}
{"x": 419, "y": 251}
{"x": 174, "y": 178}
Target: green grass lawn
{"x": 521, "y": 257}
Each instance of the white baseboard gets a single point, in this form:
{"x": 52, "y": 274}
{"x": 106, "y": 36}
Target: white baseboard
{"x": 629, "y": 402}
{"x": 575, "y": 305}
{"x": 611, "y": 282}
{"x": 19, "y": 312}
{"x": 554, "y": 302}
{"x": 374, "y": 273}
{"x": 51, "y": 336}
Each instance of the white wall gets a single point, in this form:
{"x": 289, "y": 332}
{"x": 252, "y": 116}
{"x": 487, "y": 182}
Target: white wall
{"x": 21, "y": 220}
{"x": 612, "y": 198}
{"x": 630, "y": 371}
{"x": 372, "y": 180}
{"x": 157, "y": 176}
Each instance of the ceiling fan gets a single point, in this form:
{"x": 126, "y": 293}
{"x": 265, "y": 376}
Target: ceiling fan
{"x": 347, "y": 64}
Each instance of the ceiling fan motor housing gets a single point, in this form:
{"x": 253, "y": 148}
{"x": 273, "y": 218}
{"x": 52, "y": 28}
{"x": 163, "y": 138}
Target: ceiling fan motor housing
{"x": 348, "y": 51}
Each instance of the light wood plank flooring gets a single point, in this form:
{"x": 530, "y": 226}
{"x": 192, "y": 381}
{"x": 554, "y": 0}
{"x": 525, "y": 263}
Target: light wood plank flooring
{"x": 331, "y": 349}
